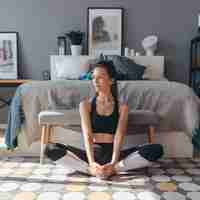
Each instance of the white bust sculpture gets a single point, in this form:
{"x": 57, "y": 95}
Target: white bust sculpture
{"x": 149, "y": 44}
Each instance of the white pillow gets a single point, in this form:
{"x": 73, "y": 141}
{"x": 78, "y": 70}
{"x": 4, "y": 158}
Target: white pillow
{"x": 68, "y": 67}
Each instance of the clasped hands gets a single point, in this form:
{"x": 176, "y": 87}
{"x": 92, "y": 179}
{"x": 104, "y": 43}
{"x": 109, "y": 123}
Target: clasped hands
{"x": 102, "y": 171}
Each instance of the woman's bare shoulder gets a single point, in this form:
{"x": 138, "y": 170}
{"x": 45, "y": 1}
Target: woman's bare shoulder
{"x": 85, "y": 104}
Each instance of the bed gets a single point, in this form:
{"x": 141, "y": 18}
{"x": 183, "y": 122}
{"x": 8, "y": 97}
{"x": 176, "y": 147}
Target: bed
{"x": 175, "y": 103}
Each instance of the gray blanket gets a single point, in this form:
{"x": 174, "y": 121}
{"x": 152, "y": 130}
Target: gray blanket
{"x": 175, "y": 103}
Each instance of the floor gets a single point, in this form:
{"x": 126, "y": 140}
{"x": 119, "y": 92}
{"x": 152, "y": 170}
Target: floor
{"x": 171, "y": 179}
{"x": 23, "y": 178}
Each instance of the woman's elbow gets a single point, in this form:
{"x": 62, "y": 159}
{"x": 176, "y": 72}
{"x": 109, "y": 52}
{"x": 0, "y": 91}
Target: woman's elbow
{"x": 88, "y": 137}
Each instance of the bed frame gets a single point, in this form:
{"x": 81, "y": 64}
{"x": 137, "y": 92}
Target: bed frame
{"x": 173, "y": 142}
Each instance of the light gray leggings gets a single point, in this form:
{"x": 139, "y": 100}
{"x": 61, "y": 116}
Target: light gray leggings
{"x": 132, "y": 158}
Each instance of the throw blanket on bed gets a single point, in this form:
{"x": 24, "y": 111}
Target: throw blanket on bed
{"x": 175, "y": 103}
{"x": 15, "y": 119}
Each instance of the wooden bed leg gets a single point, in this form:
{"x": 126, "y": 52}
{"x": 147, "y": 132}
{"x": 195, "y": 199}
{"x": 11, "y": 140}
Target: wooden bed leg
{"x": 44, "y": 129}
{"x": 151, "y": 134}
{"x": 48, "y": 134}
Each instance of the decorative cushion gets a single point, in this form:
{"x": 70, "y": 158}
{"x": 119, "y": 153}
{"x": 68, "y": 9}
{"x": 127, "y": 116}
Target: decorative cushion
{"x": 126, "y": 68}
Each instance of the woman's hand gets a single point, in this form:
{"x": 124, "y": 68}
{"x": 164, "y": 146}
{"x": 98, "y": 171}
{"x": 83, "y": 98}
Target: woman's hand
{"x": 108, "y": 170}
{"x": 96, "y": 169}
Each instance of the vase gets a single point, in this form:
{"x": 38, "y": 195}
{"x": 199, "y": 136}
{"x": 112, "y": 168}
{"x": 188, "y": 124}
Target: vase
{"x": 76, "y": 50}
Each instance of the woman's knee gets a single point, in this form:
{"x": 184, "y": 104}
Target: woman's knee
{"x": 152, "y": 152}
{"x": 55, "y": 151}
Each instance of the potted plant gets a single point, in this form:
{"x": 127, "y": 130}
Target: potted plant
{"x": 76, "y": 38}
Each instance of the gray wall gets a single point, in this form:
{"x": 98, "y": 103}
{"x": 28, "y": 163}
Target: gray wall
{"x": 39, "y": 22}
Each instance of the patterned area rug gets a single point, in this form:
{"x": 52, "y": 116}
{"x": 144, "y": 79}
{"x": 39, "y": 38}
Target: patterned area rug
{"x": 169, "y": 179}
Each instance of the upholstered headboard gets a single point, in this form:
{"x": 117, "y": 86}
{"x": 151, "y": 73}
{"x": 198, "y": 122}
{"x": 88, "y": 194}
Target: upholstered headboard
{"x": 61, "y": 65}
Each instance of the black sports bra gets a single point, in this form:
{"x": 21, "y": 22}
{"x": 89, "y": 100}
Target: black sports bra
{"x": 101, "y": 123}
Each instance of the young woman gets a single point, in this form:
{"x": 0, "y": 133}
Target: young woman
{"x": 104, "y": 123}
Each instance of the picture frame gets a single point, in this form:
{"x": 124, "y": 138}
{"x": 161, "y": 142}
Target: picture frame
{"x": 105, "y": 30}
{"x": 9, "y": 55}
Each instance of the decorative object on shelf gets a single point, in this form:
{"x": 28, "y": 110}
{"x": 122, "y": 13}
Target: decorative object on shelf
{"x": 62, "y": 45}
{"x": 8, "y": 55}
{"x": 126, "y": 51}
{"x": 137, "y": 54}
{"x": 132, "y": 52}
{"x": 199, "y": 23}
{"x": 76, "y": 50}
{"x": 76, "y": 38}
{"x": 105, "y": 30}
{"x": 149, "y": 44}
{"x": 194, "y": 78}
{"x": 46, "y": 75}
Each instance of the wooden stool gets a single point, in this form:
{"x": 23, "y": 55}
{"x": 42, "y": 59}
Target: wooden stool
{"x": 71, "y": 118}
{"x": 52, "y": 118}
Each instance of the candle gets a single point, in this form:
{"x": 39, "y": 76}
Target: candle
{"x": 138, "y": 54}
{"x": 126, "y": 51}
{"x": 132, "y": 52}
{"x": 198, "y": 20}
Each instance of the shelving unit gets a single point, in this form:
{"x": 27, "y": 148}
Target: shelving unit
{"x": 194, "y": 76}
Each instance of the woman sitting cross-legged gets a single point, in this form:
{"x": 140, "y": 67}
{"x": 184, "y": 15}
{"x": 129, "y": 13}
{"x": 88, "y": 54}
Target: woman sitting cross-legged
{"x": 104, "y": 124}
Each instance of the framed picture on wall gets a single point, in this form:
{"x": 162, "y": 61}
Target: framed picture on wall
{"x": 8, "y": 55}
{"x": 104, "y": 31}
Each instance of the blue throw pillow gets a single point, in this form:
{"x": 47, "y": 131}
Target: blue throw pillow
{"x": 126, "y": 68}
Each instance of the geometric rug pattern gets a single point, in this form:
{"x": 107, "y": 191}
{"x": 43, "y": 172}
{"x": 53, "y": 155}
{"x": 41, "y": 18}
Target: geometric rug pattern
{"x": 23, "y": 178}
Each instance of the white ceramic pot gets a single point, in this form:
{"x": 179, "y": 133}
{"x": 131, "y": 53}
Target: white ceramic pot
{"x": 76, "y": 50}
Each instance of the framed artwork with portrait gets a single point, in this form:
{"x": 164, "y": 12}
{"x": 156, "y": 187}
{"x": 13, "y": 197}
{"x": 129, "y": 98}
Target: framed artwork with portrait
{"x": 8, "y": 55}
{"x": 105, "y": 31}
